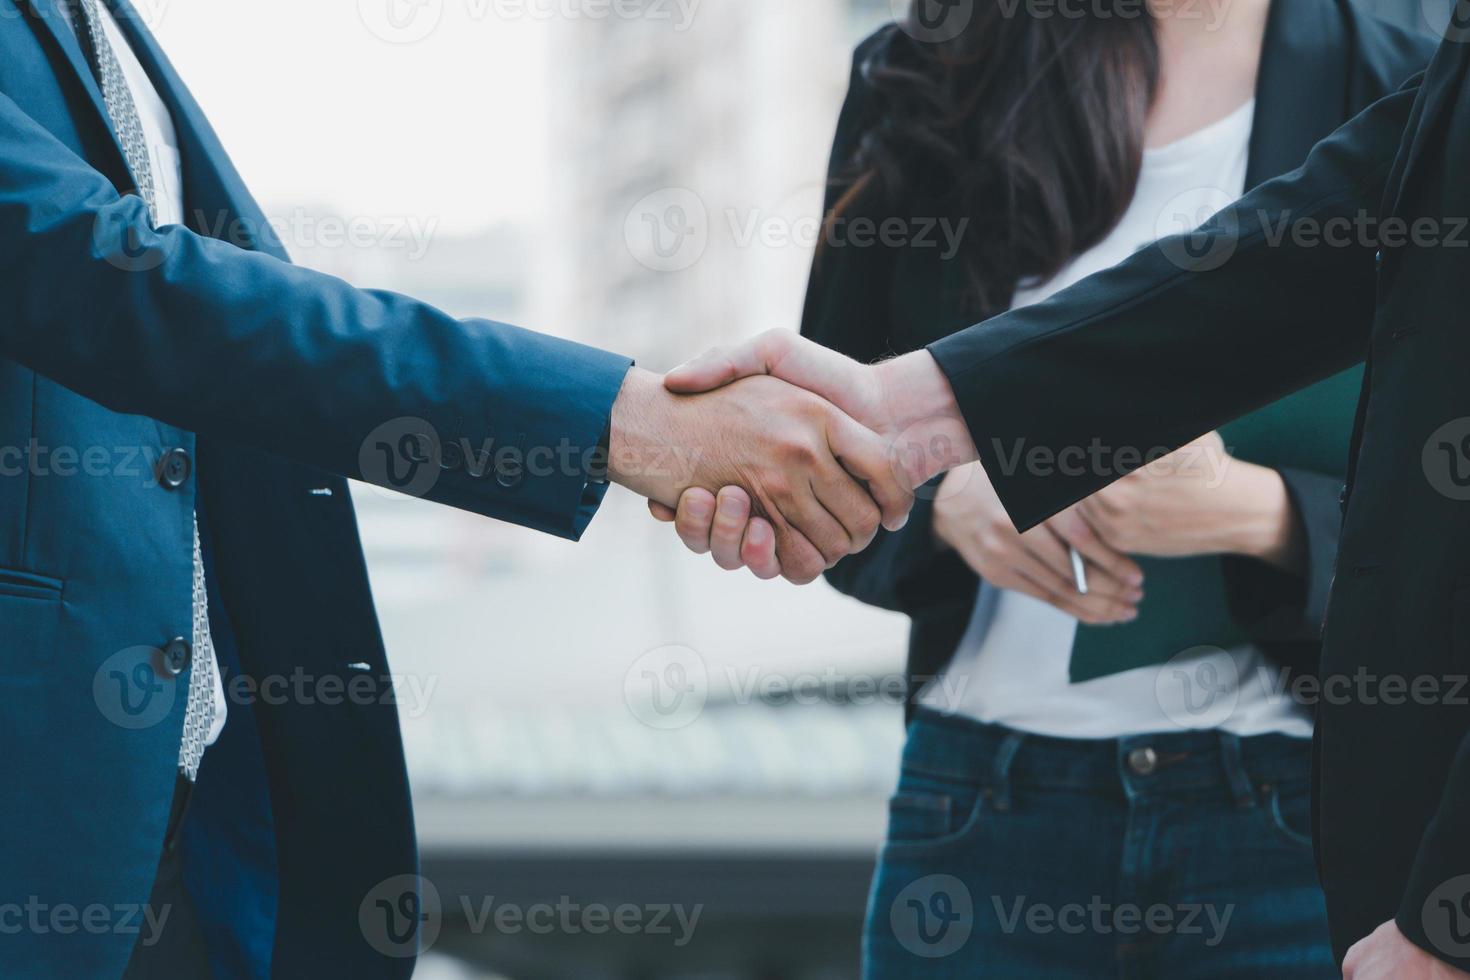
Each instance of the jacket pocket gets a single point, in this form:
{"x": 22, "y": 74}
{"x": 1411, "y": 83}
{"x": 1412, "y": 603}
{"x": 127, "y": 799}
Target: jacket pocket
{"x": 30, "y": 620}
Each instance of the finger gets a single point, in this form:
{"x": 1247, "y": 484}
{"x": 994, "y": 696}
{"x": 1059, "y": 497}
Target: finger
{"x": 661, "y": 512}
{"x": 1091, "y": 609}
{"x": 801, "y": 562}
{"x": 732, "y": 513}
{"x": 758, "y": 550}
{"x": 782, "y": 353}
{"x": 695, "y": 518}
{"x": 1075, "y": 530}
{"x": 1103, "y": 576}
{"x": 1096, "y": 608}
{"x": 850, "y": 505}
{"x": 806, "y": 513}
{"x": 865, "y": 456}
{"x": 1043, "y": 542}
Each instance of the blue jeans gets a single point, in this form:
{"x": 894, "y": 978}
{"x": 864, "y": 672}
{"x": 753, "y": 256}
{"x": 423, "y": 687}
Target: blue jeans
{"x": 1183, "y": 856}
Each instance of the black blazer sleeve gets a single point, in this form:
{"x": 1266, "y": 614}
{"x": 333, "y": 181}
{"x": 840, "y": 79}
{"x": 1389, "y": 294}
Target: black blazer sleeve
{"x": 1285, "y": 607}
{"x": 1187, "y": 334}
{"x": 846, "y": 309}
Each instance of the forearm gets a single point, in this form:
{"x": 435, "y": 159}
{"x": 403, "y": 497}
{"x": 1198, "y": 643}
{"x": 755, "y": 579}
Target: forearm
{"x": 246, "y": 348}
{"x": 1067, "y": 396}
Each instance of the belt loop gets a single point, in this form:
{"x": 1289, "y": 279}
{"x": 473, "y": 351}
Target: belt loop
{"x": 1235, "y": 772}
{"x": 1000, "y": 773}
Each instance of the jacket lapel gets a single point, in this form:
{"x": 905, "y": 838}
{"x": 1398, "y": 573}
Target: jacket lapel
{"x": 1303, "y": 85}
{"x": 53, "y": 21}
{"x": 216, "y": 201}
{"x": 1441, "y": 83}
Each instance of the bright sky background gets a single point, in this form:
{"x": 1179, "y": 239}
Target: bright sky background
{"x": 318, "y": 110}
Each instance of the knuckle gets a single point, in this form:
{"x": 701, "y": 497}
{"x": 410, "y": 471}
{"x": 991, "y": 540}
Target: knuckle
{"x": 801, "y": 452}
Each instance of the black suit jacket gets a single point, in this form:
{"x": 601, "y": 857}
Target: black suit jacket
{"x": 1323, "y": 62}
{"x": 1363, "y": 252}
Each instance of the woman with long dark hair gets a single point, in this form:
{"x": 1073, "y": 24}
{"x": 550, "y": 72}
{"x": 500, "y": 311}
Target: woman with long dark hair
{"x": 1107, "y": 765}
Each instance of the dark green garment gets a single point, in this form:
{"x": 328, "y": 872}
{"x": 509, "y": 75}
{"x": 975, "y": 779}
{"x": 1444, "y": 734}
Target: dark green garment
{"x": 1185, "y": 602}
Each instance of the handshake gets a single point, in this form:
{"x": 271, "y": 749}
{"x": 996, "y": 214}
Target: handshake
{"x": 795, "y": 455}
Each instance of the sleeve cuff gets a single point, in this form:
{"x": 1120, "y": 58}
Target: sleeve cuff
{"x": 1435, "y": 912}
{"x": 533, "y": 456}
{"x": 1277, "y": 606}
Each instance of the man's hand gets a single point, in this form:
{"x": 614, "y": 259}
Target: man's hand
{"x": 797, "y": 457}
{"x": 1387, "y": 955}
{"x": 969, "y": 518}
{"x": 906, "y": 400}
{"x": 1199, "y": 501}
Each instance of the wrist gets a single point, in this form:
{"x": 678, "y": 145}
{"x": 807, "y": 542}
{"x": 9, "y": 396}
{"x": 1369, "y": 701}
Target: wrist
{"x": 1268, "y": 529}
{"x": 640, "y": 425}
{"x": 922, "y": 417}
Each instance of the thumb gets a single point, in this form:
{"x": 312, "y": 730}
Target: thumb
{"x": 722, "y": 365}
{"x": 713, "y": 369}
{"x": 779, "y": 353}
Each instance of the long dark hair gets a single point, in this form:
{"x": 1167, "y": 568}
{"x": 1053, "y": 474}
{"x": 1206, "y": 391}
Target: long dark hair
{"x": 1030, "y": 123}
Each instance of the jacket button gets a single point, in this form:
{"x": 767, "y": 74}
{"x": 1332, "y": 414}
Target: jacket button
{"x": 1342, "y": 500}
{"x": 176, "y": 656}
{"x": 174, "y": 468}
{"x": 1378, "y": 261}
{"x": 451, "y": 456}
{"x": 1143, "y": 762}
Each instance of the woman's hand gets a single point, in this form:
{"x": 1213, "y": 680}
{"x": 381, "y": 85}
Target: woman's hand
{"x": 724, "y": 528}
{"x": 969, "y": 518}
{"x": 1199, "y": 501}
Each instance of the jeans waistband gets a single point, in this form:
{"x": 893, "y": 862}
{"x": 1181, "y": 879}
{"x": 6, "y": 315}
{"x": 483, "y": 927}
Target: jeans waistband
{"x": 1162, "y": 764}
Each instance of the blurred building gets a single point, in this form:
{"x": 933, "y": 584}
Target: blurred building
{"x": 717, "y": 130}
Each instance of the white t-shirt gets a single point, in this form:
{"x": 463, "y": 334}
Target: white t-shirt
{"x": 1013, "y": 665}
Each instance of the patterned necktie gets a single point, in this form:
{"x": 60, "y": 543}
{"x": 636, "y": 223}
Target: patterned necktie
{"x": 199, "y": 713}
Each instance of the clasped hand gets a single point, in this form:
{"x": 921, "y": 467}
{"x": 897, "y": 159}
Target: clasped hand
{"x": 809, "y": 452}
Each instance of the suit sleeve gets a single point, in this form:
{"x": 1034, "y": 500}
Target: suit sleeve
{"x": 1439, "y": 883}
{"x": 846, "y": 307}
{"x": 1272, "y": 294}
{"x": 1275, "y": 606}
{"x": 244, "y": 347}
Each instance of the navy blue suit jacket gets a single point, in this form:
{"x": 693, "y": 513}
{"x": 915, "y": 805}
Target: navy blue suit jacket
{"x": 119, "y": 343}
